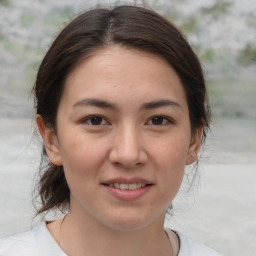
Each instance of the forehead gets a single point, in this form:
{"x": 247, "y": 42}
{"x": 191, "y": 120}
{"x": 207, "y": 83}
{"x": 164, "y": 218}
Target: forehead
{"x": 123, "y": 74}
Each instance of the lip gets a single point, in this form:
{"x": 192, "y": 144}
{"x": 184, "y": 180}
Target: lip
{"x": 127, "y": 181}
{"x": 127, "y": 195}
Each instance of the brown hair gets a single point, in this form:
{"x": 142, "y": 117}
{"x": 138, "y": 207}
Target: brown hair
{"x": 127, "y": 26}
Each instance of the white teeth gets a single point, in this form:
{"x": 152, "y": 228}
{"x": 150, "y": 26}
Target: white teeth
{"x": 116, "y": 185}
{"x": 124, "y": 186}
{"x": 138, "y": 185}
{"x": 132, "y": 186}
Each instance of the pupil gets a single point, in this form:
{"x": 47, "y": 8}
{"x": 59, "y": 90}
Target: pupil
{"x": 157, "y": 120}
{"x": 96, "y": 120}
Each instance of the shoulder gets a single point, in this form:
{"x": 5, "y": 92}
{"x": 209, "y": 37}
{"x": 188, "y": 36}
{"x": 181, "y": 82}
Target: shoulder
{"x": 18, "y": 245}
{"x": 192, "y": 248}
{"x": 38, "y": 242}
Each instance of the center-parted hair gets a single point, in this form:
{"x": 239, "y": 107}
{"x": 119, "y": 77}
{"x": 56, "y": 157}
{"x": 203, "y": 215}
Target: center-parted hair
{"x": 126, "y": 26}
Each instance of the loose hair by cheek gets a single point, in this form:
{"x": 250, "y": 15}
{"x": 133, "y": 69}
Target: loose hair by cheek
{"x": 126, "y": 26}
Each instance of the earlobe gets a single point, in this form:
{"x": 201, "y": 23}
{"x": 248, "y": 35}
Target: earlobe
{"x": 194, "y": 146}
{"x": 50, "y": 141}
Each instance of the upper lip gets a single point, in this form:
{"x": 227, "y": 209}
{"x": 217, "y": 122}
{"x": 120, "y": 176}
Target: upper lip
{"x": 122, "y": 180}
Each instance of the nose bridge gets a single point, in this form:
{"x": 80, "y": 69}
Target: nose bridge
{"x": 127, "y": 148}
{"x": 129, "y": 139}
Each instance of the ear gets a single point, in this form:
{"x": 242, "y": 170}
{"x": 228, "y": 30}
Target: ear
{"x": 50, "y": 141}
{"x": 194, "y": 145}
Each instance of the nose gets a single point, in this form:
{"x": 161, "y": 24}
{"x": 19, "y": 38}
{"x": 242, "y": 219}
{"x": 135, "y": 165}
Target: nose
{"x": 127, "y": 149}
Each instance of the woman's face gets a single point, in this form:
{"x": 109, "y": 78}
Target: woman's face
{"x": 123, "y": 138}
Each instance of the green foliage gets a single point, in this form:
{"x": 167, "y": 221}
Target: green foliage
{"x": 218, "y": 9}
{"x": 248, "y": 55}
{"x": 27, "y": 19}
{"x": 20, "y": 51}
{"x": 27, "y": 59}
{"x": 5, "y": 3}
{"x": 170, "y": 9}
{"x": 205, "y": 55}
{"x": 189, "y": 25}
{"x": 1, "y": 36}
{"x": 251, "y": 20}
{"x": 172, "y": 16}
{"x": 225, "y": 93}
{"x": 59, "y": 16}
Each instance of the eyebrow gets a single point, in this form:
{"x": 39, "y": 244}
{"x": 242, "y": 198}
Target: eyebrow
{"x": 95, "y": 102}
{"x": 160, "y": 103}
{"x": 108, "y": 105}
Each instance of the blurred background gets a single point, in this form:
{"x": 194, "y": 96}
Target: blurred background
{"x": 223, "y": 34}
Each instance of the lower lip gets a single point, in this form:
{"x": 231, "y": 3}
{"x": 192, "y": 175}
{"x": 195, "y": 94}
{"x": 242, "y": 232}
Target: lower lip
{"x": 128, "y": 195}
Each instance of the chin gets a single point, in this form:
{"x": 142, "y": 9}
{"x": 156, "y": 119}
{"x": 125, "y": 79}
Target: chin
{"x": 130, "y": 222}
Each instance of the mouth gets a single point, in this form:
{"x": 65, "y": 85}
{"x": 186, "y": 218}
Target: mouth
{"x": 125, "y": 186}
{"x": 124, "y": 189}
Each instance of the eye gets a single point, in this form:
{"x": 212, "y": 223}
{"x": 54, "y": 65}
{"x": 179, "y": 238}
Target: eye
{"x": 95, "y": 120}
{"x": 159, "y": 120}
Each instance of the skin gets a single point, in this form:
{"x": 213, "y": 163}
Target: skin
{"x": 131, "y": 136}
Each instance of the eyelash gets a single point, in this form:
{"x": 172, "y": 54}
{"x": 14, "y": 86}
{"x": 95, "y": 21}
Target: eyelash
{"x": 88, "y": 120}
{"x": 163, "y": 118}
{"x": 97, "y": 118}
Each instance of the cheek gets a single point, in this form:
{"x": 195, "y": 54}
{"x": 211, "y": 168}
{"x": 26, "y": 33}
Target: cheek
{"x": 81, "y": 164}
{"x": 170, "y": 160}
{"x": 172, "y": 152}
{"x": 81, "y": 156}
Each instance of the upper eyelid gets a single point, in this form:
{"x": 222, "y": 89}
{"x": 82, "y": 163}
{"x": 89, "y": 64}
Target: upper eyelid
{"x": 169, "y": 119}
{"x": 83, "y": 120}
{"x": 163, "y": 116}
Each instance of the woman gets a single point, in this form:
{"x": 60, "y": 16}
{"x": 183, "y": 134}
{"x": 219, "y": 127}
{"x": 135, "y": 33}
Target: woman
{"x": 122, "y": 109}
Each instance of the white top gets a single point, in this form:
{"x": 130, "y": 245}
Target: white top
{"x": 40, "y": 242}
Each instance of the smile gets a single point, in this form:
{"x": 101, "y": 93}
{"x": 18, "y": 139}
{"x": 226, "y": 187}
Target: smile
{"x": 127, "y": 190}
{"x": 123, "y": 186}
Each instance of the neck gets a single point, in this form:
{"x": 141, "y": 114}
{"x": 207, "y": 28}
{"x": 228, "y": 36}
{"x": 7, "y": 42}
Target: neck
{"x": 82, "y": 237}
